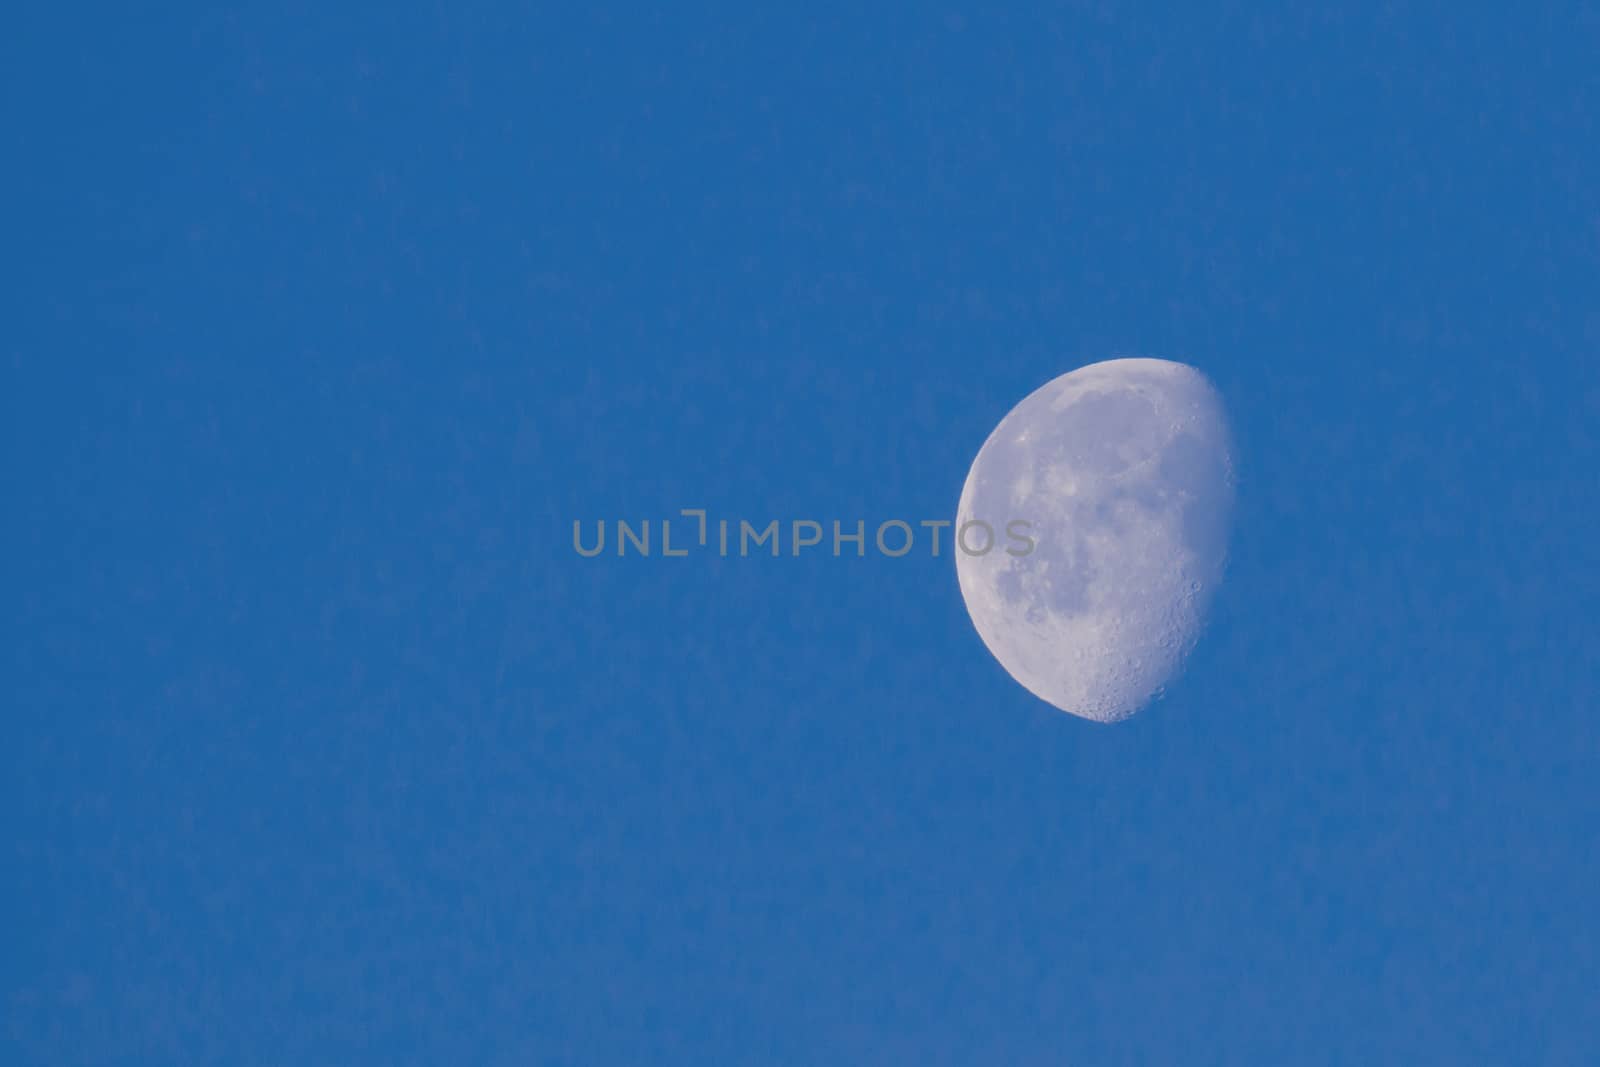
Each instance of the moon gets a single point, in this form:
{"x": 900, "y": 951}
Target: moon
{"x": 1120, "y": 474}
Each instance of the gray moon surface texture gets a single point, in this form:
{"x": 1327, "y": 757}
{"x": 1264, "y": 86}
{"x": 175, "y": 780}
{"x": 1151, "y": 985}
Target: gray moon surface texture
{"x": 1124, "y": 471}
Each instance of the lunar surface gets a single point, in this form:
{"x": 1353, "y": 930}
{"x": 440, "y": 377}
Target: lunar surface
{"x": 1124, "y": 472}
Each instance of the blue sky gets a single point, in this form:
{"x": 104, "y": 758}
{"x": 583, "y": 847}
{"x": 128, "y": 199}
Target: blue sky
{"x": 326, "y": 748}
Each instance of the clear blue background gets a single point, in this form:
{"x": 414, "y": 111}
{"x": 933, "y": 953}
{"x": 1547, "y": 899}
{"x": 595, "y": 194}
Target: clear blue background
{"x": 321, "y": 327}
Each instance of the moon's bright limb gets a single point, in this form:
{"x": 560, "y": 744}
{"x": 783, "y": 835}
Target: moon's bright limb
{"x": 1124, "y": 470}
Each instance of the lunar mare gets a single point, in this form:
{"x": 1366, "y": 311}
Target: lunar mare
{"x": 1125, "y": 471}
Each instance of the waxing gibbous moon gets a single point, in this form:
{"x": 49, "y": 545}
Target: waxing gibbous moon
{"x": 1124, "y": 472}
